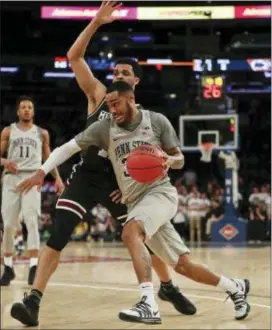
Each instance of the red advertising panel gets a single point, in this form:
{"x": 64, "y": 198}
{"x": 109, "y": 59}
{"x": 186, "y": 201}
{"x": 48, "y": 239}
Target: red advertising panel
{"x": 252, "y": 12}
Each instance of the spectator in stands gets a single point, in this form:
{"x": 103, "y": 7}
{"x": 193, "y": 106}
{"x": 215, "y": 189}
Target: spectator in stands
{"x": 209, "y": 189}
{"x": 194, "y": 212}
{"x": 180, "y": 217}
{"x": 254, "y": 196}
{"x": 256, "y": 224}
{"x": 193, "y": 192}
{"x": 189, "y": 178}
{"x": 45, "y": 226}
{"x": 216, "y": 214}
{"x": 100, "y": 222}
{"x": 205, "y": 208}
{"x": 268, "y": 217}
{"x": 81, "y": 232}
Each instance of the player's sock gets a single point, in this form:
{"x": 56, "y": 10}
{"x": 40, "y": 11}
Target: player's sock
{"x": 8, "y": 261}
{"x": 36, "y": 296}
{"x": 33, "y": 262}
{"x": 146, "y": 289}
{"x": 167, "y": 285}
{"x": 228, "y": 285}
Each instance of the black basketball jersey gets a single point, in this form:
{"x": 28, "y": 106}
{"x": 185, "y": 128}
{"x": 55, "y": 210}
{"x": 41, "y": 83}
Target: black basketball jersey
{"x": 94, "y": 159}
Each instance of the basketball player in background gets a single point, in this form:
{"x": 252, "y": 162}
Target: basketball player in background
{"x": 95, "y": 174}
{"x": 26, "y": 144}
{"x": 150, "y": 206}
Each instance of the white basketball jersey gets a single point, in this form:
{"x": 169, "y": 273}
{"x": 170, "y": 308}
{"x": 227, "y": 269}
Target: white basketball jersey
{"x": 120, "y": 144}
{"x": 25, "y": 147}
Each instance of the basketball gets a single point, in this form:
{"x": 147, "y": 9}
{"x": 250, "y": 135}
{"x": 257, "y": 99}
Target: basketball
{"x": 145, "y": 164}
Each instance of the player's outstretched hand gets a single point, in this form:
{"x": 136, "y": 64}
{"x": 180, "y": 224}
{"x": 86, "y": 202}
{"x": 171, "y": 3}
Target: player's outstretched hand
{"x": 9, "y": 165}
{"x": 59, "y": 186}
{"x": 35, "y": 180}
{"x": 105, "y": 12}
{"x": 116, "y": 196}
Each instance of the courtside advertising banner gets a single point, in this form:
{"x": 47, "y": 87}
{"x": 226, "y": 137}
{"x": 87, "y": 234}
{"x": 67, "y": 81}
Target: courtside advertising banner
{"x": 141, "y": 13}
{"x": 252, "y": 12}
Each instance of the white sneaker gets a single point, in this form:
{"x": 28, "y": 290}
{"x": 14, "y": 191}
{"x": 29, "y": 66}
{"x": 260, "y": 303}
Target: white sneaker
{"x": 141, "y": 313}
{"x": 242, "y": 308}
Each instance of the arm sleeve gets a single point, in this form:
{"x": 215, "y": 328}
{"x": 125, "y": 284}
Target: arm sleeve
{"x": 60, "y": 155}
{"x": 96, "y": 134}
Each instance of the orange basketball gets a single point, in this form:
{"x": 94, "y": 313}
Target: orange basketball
{"x": 145, "y": 164}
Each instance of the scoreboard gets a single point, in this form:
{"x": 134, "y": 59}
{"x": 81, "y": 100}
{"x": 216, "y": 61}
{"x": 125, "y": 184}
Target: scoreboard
{"x": 212, "y": 89}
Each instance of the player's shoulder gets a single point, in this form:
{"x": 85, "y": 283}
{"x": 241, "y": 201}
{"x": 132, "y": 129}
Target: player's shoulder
{"x": 42, "y": 131}
{"x": 105, "y": 121}
{"x": 6, "y": 130}
{"x": 101, "y": 124}
{"x": 157, "y": 117}
{"x": 155, "y": 114}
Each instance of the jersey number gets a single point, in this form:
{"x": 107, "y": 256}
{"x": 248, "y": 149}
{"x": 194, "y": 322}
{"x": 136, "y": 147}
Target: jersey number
{"x": 125, "y": 171}
{"x": 24, "y": 152}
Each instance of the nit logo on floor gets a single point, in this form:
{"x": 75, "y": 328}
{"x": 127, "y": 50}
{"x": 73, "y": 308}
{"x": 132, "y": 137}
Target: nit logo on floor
{"x": 228, "y": 232}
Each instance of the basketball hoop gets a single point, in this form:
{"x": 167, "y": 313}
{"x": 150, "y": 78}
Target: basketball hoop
{"x": 206, "y": 149}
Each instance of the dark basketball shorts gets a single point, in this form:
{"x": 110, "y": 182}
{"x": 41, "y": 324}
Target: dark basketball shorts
{"x": 87, "y": 189}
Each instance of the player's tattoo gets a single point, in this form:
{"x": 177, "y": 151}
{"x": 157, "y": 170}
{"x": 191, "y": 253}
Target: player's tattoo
{"x": 147, "y": 266}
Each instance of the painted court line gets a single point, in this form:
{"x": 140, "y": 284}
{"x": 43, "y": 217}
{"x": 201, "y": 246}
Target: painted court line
{"x": 74, "y": 285}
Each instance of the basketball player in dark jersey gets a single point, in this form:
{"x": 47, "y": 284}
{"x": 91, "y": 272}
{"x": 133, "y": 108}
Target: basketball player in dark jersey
{"x": 92, "y": 181}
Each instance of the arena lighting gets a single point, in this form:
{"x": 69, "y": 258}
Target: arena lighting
{"x": 141, "y": 39}
{"x": 159, "y": 62}
{"x": 10, "y": 69}
{"x": 109, "y": 76}
{"x": 49, "y": 74}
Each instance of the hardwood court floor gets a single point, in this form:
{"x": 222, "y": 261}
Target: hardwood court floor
{"x": 94, "y": 282}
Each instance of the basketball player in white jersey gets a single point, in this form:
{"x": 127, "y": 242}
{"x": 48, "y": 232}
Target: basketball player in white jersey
{"x": 150, "y": 206}
{"x": 26, "y": 145}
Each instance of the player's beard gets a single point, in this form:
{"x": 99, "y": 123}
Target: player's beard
{"x": 128, "y": 115}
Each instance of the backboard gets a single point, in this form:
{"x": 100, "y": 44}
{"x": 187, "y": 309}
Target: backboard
{"x": 222, "y": 130}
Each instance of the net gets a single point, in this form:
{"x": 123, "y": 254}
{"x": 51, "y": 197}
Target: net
{"x": 206, "y": 150}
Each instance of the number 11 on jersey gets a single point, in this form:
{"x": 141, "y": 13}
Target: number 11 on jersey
{"x": 24, "y": 151}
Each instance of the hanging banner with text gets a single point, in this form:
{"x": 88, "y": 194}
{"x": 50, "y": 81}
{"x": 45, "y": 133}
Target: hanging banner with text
{"x": 160, "y": 13}
{"x": 185, "y": 13}
{"x": 141, "y": 13}
{"x": 78, "y": 13}
{"x": 252, "y": 12}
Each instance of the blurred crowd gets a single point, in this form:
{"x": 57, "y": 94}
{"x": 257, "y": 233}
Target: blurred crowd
{"x": 197, "y": 211}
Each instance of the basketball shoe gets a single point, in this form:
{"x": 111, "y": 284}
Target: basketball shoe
{"x": 177, "y": 299}
{"x": 141, "y": 313}
{"x": 8, "y": 276}
{"x": 26, "y": 312}
{"x": 242, "y": 307}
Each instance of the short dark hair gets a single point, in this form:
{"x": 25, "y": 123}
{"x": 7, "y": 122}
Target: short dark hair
{"x": 135, "y": 65}
{"x": 23, "y": 98}
{"x": 120, "y": 87}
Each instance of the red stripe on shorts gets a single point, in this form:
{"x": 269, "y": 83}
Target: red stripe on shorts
{"x": 72, "y": 206}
